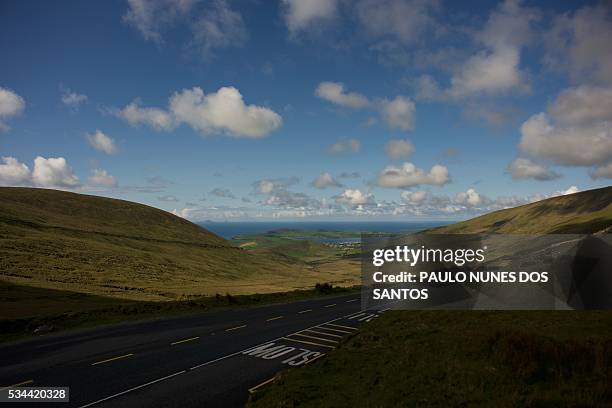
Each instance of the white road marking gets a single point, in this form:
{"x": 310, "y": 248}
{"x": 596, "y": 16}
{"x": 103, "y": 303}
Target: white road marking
{"x": 133, "y": 389}
{"x": 352, "y": 300}
{"x": 357, "y": 315}
{"x": 305, "y": 311}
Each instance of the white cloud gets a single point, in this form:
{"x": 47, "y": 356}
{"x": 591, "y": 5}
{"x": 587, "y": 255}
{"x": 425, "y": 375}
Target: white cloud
{"x": 270, "y": 186}
{"x": 156, "y": 118}
{"x": 223, "y": 111}
{"x": 13, "y": 173}
{"x": 73, "y": 99}
{"x": 300, "y": 14}
{"x": 345, "y": 146}
{"x": 577, "y": 131}
{"x": 409, "y": 175}
{"x": 101, "y": 178}
{"x": 522, "y": 168}
{"x": 582, "y": 105}
{"x": 469, "y": 198}
{"x": 184, "y": 212}
{"x": 399, "y": 148}
{"x": 11, "y": 105}
{"x": 354, "y": 198}
{"x": 570, "y": 190}
{"x": 218, "y": 27}
{"x": 102, "y": 142}
{"x": 404, "y": 19}
{"x": 53, "y": 172}
{"x": 334, "y": 92}
{"x": 398, "y": 113}
{"x": 326, "y": 180}
{"x": 602, "y": 172}
{"x": 580, "y": 44}
{"x": 414, "y": 197}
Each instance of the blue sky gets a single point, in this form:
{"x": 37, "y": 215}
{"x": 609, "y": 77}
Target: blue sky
{"x": 310, "y": 109}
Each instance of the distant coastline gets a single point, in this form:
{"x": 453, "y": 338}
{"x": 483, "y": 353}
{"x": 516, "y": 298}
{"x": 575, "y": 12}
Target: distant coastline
{"x": 229, "y": 230}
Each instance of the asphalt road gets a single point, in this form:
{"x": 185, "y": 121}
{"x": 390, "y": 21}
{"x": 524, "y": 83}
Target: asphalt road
{"x": 208, "y": 360}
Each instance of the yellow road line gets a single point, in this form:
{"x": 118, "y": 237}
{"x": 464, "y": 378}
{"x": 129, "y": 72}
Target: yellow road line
{"x": 268, "y": 381}
{"x": 341, "y": 326}
{"x": 18, "y": 384}
{"x": 323, "y": 333}
{"x": 112, "y": 359}
{"x": 336, "y": 330}
{"x": 308, "y": 342}
{"x": 315, "y": 338}
{"x": 274, "y": 318}
{"x": 305, "y": 311}
{"x": 333, "y": 304}
{"x": 185, "y": 341}
{"x": 236, "y": 328}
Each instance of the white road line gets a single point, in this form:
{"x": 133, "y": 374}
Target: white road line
{"x": 333, "y": 304}
{"x": 305, "y": 311}
{"x": 185, "y": 340}
{"x": 133, "y": 389}
{"x": 17, "y": 385}
{"x": 112, "y": 359}
{"x": 199, "y": 366}
{"x": 352, "y": 300}
{"x": 357, "y": 315}
{"x": 366, "y": 317}
{"x": 274, "y": 318}
{"x": 235, "y": 328}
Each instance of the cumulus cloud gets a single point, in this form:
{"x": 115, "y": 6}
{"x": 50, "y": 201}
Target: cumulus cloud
{"x": 101, "y": 178}
{"x": 522, "y": 168}
{"x": 221, "y": 112}
{"x": 570, "y": 190}
{"x": 99, "y": 141}
{"x": 470, "y": 198}
{"x": 222, "y": 193}
{"x": 409, "y": 175}
{"x": 576, "y": 131}
{"x": 11, "y": 105}
{"x": 345, "y": 146}
{"x": 579, "y": 44}
{"x": 156, "y": 118}
{"x": 399, "y": 148}
{"x": 301, "y": 14}
{"x": 13, "y": 172}
{"x": 334, "y": 92}
{"x": 73, "y": 99}
{"x": 398, "y": 113}
{"x": 269, "y": 186}
{"x": 184, "y": 212}
{"x": 53, "y": 172}
{"x": 326, "y": 180}
{"x": 354, "y": 198}
{"x": 414, "y": 197}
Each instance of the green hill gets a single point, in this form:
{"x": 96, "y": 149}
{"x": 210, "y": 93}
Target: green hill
{"x": 581, "y": 213}
{"x": 108, "y": 248}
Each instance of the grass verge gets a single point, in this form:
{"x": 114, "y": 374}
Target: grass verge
{"x": 460, "y": 358}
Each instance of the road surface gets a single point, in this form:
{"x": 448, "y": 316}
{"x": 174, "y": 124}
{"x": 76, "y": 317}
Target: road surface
{"x": 208, "y": 360}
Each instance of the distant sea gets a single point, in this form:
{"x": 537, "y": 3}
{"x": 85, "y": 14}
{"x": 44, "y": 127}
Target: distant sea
{"x": 229, "y": 230}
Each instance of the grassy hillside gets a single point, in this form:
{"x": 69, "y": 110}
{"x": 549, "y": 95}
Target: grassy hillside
{"x": 112, "y": 248}
{"x": 585, "y": 212}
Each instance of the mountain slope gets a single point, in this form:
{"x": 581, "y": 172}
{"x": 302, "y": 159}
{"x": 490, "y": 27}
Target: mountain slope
{"x": 107, "y": 247}
{"x": 582, "y": 213}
